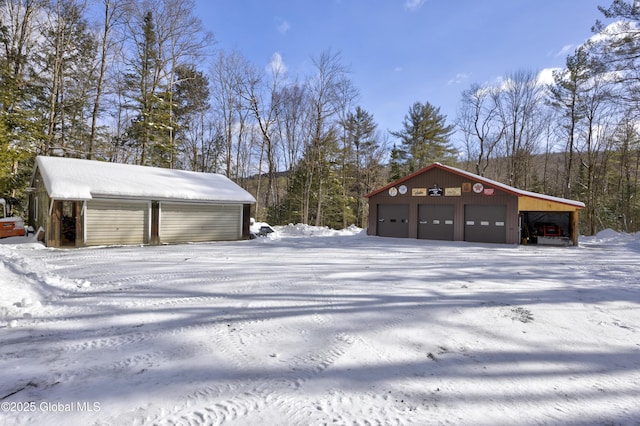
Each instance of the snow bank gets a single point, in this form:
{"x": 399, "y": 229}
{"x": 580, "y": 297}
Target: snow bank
{"x": 609, "y": 237}
{"x": 20, "y": 299}
{"x": 302, "y": 230}
{"x": 25, "y": 286}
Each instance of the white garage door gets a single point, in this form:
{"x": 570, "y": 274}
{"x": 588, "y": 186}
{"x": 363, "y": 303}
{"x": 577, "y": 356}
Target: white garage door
{"x": 192, "y": 222}
{"x": 116, "y": 222}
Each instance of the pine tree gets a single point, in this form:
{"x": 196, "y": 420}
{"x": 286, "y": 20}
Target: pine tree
{"x": 67, "y": 59}
{"x": 149, "y": 130}
{"x": 191, "y": 99}
{"x": 425, "y": 137}
{"x": 567, "y": 98}
{"x": 397, "y": 163}
{"x": 22, "y": 121}
{"x": 361, "y": 164}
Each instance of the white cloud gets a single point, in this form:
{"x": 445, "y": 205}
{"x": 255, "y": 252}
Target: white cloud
{"x": 543, "y": 79}
{"x": 413, "y": 4}
{"x": 565, "y": 50}
{"x": 276, "y": 64}
{"x": 283, "y": 26}
{"x": 546, "y": 76}
{"x": 461, "y": 77}
{"x": 615, "y": 31}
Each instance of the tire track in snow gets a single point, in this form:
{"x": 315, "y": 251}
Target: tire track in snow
{"x": 304, "y": 368}
{"x": 275, "y": 388}
{"x": 175, "y": 302}
{"x": 137, "y": 363}
{"x": 369, "y": 409}
{"x": 210, "y": 404}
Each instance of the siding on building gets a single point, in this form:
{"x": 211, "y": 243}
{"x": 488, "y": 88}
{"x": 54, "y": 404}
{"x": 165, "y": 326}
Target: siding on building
{"x": 417, "y": 195}
{"x": 192, "y": 222}
{"x": 116, "y": 222}
{"x": 450, "y": 204}
{"x": 86, "y": 203}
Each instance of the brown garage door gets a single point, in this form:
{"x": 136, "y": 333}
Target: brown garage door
{"x": 393, "y": 220}
{"x": 435, "y": 222}
{"x": 485, "y": 223}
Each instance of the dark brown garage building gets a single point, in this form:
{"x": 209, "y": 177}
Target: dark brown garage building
{"x": 441, "y": 202}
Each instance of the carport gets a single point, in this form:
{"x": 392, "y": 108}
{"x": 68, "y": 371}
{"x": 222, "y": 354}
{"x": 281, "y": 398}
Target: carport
{"x": 548, "y": 220}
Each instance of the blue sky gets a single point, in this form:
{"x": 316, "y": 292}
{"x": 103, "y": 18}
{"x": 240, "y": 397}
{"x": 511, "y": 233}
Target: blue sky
{"x": 404, "y": 51}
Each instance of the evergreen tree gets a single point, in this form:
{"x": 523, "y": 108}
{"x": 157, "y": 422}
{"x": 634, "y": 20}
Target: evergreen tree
{"x": 397, "y": 163}
{"x": 360, "y": 164}
{"x": 67, "y": 59}
{"x": 425, "y": 137}
{"x": 328, "y": 91}
{"x": 149, "y": 130}
{"x": 568, "y": 98}
{"x": 191, "y": 99}
{"x": 22, "y": 121}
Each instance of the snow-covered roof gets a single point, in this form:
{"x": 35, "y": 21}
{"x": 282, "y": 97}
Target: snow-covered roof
{"x": 485, "y": 181}
{"x": 76, "y": 179}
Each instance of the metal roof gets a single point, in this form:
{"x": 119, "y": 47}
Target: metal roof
{"x": 483, "y": 180}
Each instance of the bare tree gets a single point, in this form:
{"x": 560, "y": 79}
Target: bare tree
{"x": 260, "y": 92}
{"x": 327, "y": 94}
{"x": 595, "y": 149}
{"x": 626, "y": 155}
{"x": 291, "y": 116}
{"x": 480, "y": 124}
{"x": 112, "y": 14}
{"x": 181, "y": 41}
{"x": 519, "y": 104}
{"x": 227, "y": 71}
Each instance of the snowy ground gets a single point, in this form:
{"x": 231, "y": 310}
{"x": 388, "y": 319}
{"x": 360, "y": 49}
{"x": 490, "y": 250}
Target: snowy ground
{"x": 319, "y": 327}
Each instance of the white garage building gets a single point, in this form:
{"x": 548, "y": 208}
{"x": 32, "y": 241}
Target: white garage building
{"x": 80, "y": 203}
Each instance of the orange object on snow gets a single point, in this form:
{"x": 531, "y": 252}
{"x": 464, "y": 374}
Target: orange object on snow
{"x": 10, "y": 226}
